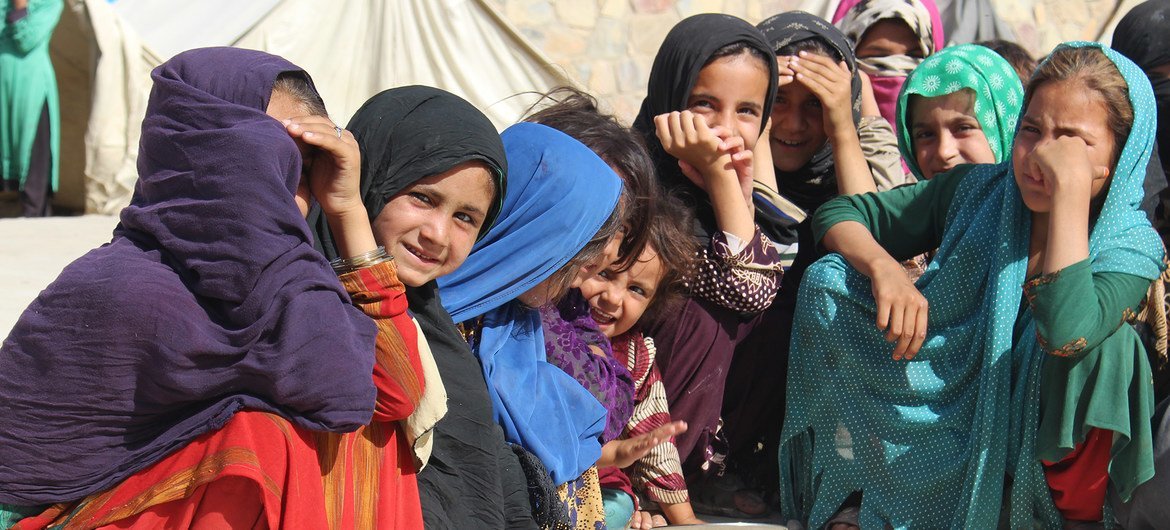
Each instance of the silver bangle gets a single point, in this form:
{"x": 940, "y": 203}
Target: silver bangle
{"x": 360, "y": 261}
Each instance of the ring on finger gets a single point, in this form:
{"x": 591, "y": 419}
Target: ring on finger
{"x": 338, "y": 130}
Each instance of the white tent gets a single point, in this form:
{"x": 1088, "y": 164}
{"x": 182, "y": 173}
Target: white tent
{"x": 352, "y": 48}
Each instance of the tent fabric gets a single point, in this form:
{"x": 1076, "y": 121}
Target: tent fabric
{"x": 355, "y": 48}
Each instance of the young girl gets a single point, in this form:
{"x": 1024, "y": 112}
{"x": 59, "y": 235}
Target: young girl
{"x": 959, "y": 106}
{"x": 428, "y": 202}
{"x": 928, "y": 436}
{"x": 212, "y": 360}
{"x": 891, "y": 38}
{"x": 558, "y": 214}
{"x": 619, "y": 300}
{"x": 709, "y": 90}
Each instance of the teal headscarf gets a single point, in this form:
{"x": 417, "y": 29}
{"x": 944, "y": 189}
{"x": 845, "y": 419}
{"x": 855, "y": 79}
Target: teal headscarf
{"x": 930, "y": 441}
{"x": 999, "y": 96}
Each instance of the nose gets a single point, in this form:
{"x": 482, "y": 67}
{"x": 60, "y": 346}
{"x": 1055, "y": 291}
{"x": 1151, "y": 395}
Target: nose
{"x": 611, "y": 296}
{"x": 788, "y": 121}
{"x": 948, "y": 148}
{"x": 434, "y": 232}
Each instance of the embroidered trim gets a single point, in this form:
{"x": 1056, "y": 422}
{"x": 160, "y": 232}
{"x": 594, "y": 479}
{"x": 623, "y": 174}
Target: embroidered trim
{"x": 1072, "y": 349}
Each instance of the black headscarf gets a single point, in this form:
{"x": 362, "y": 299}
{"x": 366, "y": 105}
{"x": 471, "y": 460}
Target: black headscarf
{"x": 815, "y": 183}
{"x": 406, "y": 134}
{"x": 687, "y": 48}
{"x": 209, "y": 299}
{"x": 1143, "y": 35}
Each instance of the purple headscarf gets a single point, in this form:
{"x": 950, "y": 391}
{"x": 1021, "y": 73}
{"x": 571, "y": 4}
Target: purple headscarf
{"x": 209, "y": 299}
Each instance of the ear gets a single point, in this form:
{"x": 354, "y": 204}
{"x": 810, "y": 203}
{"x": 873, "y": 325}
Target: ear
{"x": 1102, "y": 173}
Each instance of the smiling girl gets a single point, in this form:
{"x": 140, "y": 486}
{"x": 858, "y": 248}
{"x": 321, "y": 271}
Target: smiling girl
{"x": 710, "y": 88}
{"x": 620, "y": 301}
{"x": 1039, "y": 262}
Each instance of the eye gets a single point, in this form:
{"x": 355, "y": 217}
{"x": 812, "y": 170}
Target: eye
{"x": 702, "y": 104}
{"x": 922, "y": 134}
{"x": 1029, "y": 129}
{"x": 638, "y": 290}
{"x": 604, "y": 274}
{"x": 465, "y": 218}
{"x": 814, "y": 103}
{"x": 421, "y": 197}
{"x": 750, "y": 111}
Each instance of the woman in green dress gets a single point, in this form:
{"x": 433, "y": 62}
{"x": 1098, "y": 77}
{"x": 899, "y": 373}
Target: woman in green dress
{"x": 29, "y": 117}
{"x": 1040, "y": 259}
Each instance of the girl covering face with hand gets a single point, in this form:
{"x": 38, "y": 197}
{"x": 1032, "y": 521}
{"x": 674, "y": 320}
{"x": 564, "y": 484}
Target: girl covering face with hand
{"x": 1053, "y": 364}
{"x": 709, "y": 91}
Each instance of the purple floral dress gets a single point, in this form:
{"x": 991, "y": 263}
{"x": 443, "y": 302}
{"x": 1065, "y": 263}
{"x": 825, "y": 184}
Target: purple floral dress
{"x": 568, "y": 332}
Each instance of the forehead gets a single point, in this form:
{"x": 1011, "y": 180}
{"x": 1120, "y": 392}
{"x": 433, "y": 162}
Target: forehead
{"x": 743, "y": 75}
{"x": 1068, "y": 103}
{"x": 889, "y": 30}
{"x": 469, "y": 182}
{"x": 648, "y": 268}
{"x": 283, "y": 106}
{"x": 961, "y": 101}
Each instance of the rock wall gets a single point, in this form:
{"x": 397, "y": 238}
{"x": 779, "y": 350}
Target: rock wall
{"x": 608, "y": 45}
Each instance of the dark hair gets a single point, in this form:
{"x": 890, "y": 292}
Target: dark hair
{"x": 1090, "y": 67}
{"x": 678, "y": 253}
{"x": 1016, "y": 55}
{"x": 296, "y": 85}
{"x": 737, "y": 48}
{"x": 811, "y": 45}
{"x": 577, "y": 114}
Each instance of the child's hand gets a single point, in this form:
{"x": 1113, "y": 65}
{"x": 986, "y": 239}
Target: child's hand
{"x": 629, "y": 450}
{"x": 685, "y": 136}
{"x": 334, "y": 173}
{"x": 832, "y": 84}
{"x": 1063, "y": 165}
{"x": 645, "y": 521}
{"x": 901, "y": 309}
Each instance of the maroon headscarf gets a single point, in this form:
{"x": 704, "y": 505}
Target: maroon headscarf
{"x": 209, "y": 299}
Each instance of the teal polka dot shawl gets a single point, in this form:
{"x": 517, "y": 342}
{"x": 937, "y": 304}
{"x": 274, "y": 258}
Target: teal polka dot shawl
{"x": 931, "y": 441}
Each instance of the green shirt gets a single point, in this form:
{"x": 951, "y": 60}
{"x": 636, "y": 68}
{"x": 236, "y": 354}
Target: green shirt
{"x": 1096, "y": 374}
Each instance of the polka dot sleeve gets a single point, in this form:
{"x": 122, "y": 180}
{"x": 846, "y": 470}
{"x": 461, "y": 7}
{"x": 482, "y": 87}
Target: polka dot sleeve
{"x": 744, "y": 281}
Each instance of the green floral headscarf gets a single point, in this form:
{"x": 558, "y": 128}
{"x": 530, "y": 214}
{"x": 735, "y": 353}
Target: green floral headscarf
{"x": 999, "y": 96}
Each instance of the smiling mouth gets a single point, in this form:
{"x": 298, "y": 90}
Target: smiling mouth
{"x": 422, "y": 256}
{"x": 602, "y": 319}
{"x": 787, "y": 143}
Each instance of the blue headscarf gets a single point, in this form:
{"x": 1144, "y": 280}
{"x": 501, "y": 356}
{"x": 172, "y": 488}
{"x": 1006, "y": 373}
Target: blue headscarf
{"x": 929, "y": 441}
{"x": 559, "y": 195}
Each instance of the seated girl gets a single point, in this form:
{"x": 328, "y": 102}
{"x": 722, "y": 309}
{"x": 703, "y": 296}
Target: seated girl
{"x": 1043, "y": 381}
{"x": 619, "y": 300}
{"x": 710, "y": 88}
{"x": 428, "y": 201}
{"x": 891, "y": 38}
{"x": 201, "y": 367}
{"x": 558, "y": 214}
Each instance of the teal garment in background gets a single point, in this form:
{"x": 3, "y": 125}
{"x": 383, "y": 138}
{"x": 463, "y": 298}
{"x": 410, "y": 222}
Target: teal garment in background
{"x": 27, "y": 85}
{"x": 619, "y": 508}
{"x": 930, "y": 441}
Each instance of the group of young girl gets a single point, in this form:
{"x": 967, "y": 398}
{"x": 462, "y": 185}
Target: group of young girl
{"x": 887, "y": 262}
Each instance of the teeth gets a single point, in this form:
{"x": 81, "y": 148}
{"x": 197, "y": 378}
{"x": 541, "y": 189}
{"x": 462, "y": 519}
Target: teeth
{"x": 601, "y": 318}
{"x": 792, "y": 144}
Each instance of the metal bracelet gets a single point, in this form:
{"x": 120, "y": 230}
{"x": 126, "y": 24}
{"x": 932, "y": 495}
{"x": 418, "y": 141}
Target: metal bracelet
{"x": 360, "y": 261}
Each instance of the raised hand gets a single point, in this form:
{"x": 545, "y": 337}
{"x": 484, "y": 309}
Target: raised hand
{"x": 333, "y": 165}
{"x": 831, "y": 83}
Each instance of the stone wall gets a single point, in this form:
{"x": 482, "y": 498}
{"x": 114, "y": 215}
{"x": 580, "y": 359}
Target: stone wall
{"x": 608, "y": 45}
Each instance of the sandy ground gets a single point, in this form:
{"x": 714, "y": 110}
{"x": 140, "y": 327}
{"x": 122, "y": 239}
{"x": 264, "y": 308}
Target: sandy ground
{"x": 33, "y": 252}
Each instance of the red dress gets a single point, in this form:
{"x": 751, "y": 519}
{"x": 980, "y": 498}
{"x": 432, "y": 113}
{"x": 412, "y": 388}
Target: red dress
{"x": 261, "y": 471}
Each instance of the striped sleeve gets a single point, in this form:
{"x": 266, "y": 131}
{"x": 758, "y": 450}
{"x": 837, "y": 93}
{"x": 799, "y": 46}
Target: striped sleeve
{"x": 659, "y": 473}
{"x": 398, "y": 369}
